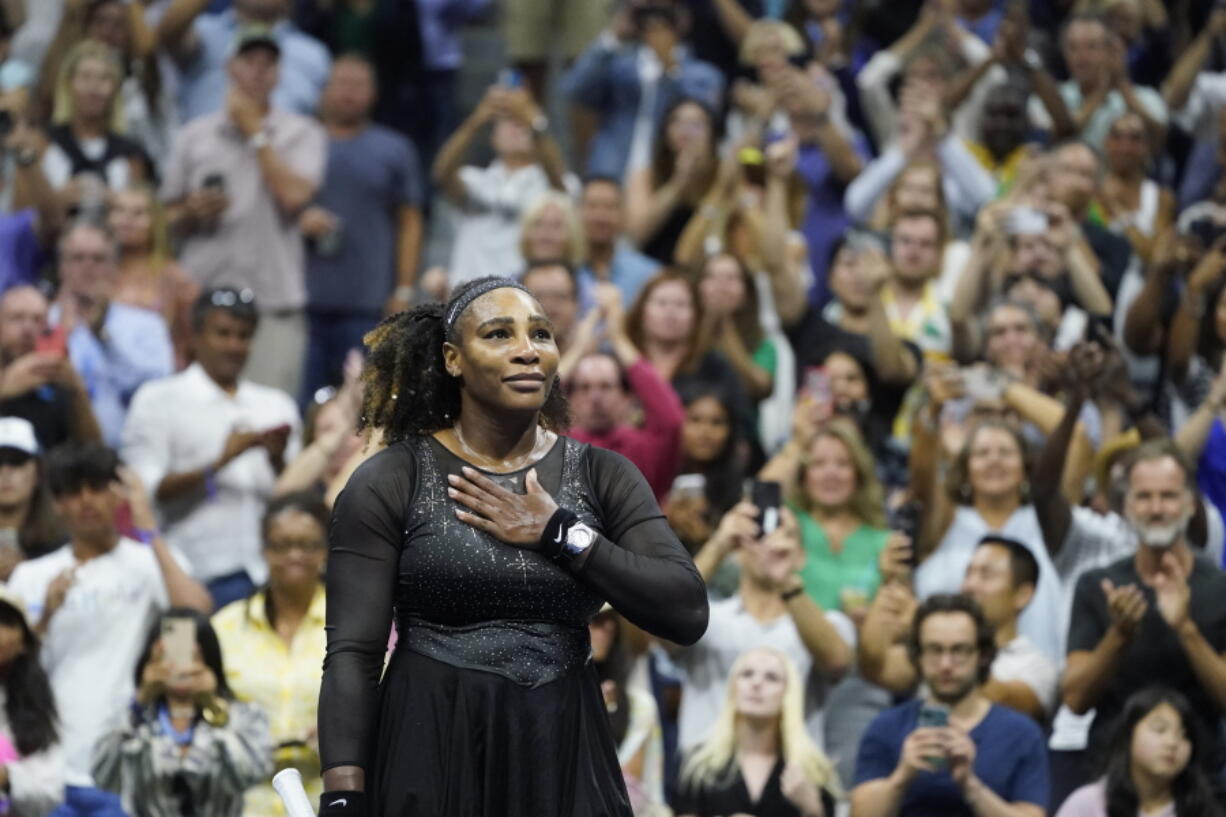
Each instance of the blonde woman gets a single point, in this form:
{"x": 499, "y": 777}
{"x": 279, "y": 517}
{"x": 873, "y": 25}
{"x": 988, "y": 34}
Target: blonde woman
{"x": 149, "y": 277}
{"x": 86, "y": 155}
{"x": 759, "y": 760}
{"x": 550, "y": 230}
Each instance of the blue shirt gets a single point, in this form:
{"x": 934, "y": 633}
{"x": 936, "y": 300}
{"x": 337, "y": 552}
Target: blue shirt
{"x": 368, "y": 179}
{"x": 1211, "y": 469}
{"x": 136, "y": 348}
{"x": 825, "y": 219}
{"x": 628, "y": 271}
{"x": 440, "y": 22}
{"x": 305, "y": 64}
{"x": 1010, "y": 759}
{"x": 19, "y": 249}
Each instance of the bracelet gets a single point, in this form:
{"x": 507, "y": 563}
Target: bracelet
{"x": 210, "y": 483}
{"x": 788, "y": 595}
{"x": 553, "y": 538}
{"x": 146, "y": 535}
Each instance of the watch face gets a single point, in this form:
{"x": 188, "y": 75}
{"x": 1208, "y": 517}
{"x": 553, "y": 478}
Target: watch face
{"x": 579, "y": 538}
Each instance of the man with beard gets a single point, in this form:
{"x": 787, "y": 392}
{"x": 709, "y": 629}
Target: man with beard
{"x": 1157, "y": 617}
{"x": 986, "y": 758}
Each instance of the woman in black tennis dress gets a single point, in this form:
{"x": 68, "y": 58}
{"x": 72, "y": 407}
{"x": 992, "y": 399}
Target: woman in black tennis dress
{"x": 493, "y": 540}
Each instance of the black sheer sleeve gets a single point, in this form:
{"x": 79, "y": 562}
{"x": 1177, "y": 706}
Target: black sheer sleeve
{"x": 363, "y": 564}
{"x": 641, "y": 568}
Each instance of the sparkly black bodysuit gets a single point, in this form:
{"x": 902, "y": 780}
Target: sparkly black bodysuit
{"x": 489, "y": 705}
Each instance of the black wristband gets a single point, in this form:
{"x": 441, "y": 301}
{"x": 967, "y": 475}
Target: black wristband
{"x": 342, "y": 804}
{"x": 788, "y": 595}
{"x": 553, "y": 539}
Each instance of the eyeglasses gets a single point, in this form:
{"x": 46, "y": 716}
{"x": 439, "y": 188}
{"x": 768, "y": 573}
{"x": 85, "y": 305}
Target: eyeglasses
{"x": 961, "y": 653}
{"x": 232, "y": 297}
{"x": 283, "y": 546}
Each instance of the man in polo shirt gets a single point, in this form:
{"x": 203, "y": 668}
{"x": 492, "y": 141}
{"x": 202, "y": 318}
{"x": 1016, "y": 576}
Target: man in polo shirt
{"x": 199, "y": 45}
{"x": 236, "y": 181}
{"x": 210, "y": 445}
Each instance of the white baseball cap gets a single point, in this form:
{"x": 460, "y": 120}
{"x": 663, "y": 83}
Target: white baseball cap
{"x": 18, "y": 433}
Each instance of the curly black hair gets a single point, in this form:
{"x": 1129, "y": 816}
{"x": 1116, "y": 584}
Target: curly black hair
{"x": 408, "y": 391}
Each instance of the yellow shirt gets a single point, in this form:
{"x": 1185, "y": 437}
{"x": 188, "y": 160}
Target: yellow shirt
{"x": 283, "y": 679}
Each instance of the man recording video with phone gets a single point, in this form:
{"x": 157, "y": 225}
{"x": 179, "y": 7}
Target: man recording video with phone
{"x": 951, "y": 752}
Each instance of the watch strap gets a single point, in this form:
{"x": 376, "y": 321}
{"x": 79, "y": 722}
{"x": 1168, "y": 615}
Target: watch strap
{"x": 553, "y": 539}
{"x": 342, "y": 804}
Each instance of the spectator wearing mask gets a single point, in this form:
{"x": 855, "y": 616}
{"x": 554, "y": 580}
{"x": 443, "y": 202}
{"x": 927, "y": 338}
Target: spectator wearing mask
{"x": 758, "y": 759}
{"x": 629, "y": 76}
{"x": 274, "y": 641}
{"x": 211, "y": 493}
{"x": 609, "y": 255}
{"x": 1156, "y": 617}
{"x": 115, "y": 347}
{"x": 1153, "y": 762}
{"x": 236, "y": 182}
{"x": 986, "y": 759}
{"x": 32, "y": 766}
{"x": 185, "y": 746}
{"x": 28, "y": 525}
{"x": 1001, "y": 578}
{"x": 364, "y": 230}
{"x": 769, "y": 609}
{"x": 92, "y": 601}
{"x": 149, "y": 277}
{"x": 200, "y": 46}
{"x": 492, "y": 199}
{"x": 87, "y": 157}
{"x": 601, "y": 389}
{"x": 38, "y": 382}
{"x": 1098, "y": 89}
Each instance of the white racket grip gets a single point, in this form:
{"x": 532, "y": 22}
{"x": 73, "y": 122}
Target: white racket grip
{"x": 288, "y": 783}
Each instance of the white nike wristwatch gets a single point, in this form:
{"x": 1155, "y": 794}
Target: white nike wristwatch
{"x": 579, "y": 537}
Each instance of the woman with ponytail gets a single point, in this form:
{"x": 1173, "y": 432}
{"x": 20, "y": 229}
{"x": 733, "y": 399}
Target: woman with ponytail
{"x": 758, "y": 759}
{"x": 492, "y": 540}
{"x": 31, "y": 768}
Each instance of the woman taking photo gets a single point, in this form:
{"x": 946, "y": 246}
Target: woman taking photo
{"x": 274, "y": 641}
{"x": 494, "y": 541}
{"x": 31, "y": 769}
{"x": 1154, "y": 764}
{"x": 759, "y": 760}
{"x": 149, "y": 277}
{"x": 662, "y": 197}
{"x": 186, "y": 748}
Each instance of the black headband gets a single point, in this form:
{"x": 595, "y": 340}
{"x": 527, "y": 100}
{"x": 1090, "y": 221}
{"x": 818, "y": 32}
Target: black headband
{"x": 476, "y": 291}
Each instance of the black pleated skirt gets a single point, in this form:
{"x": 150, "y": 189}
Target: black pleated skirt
{"x": 457, "y": 742}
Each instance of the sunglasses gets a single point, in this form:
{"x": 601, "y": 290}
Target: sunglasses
{"x": 232, "y": 297}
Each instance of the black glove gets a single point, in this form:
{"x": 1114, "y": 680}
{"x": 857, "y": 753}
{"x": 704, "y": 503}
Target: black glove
{"x": 342, "y": 804}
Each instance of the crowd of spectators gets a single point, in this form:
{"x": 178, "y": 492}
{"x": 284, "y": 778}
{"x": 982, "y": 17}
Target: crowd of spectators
{"x": 911, "y": 312}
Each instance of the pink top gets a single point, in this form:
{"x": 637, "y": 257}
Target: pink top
{"x": 1091, "y": 801}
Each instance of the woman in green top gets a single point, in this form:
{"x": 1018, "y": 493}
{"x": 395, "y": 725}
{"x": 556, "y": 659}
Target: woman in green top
{"x": 840, "y": 506}
{"x": 731, "y": 325}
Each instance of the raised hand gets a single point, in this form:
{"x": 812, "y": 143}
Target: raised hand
{"x": 800, "y": 791}
{"x": 1171, "y": 590}
{"x": 918, "y": 751}
{"x": 961, "y": 752}
{"x": 517, "y": 519}
{"x": 894, "y": 561}
{"x": 1126, "y": 605}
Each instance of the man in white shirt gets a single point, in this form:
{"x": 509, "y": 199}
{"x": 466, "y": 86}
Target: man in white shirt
{"x": 491, "y": 199}
{"x": 1001, "y": 578}
{"x": 210, "y": 444}
{"x": 770, "y": 609}
{"x": 94, "y": 599}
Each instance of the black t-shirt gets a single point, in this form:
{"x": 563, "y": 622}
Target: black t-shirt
{"x": 708, "y": 38}
{"x": 1154, "y": 657}
{"x": 1113, "y": 253}
{"x": 48, "y": 408}
{"x": 728, "y": 795}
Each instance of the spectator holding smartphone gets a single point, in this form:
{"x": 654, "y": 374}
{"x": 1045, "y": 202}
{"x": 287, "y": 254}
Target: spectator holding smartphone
{"x": 210, "y": 445}
{"x": 185, "y": 746}
{"x": 952, "y": 752}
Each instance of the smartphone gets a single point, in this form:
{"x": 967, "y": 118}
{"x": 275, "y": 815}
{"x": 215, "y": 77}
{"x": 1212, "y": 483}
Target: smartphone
{"x": 1026, "y": 221}
{"x": 214, "y": 181}
{"x": 52, "y": 342}
{"x": 767, "y": 497}
{"x": 817, "y": 384}
{"x": 688, "y": 486}
{"x": 934, "y": 716}
{"x": 510, "y": 78}
{"x": 907, "y": 520}
{"x": 178, "y": 642}
{"x": 980, "y": 385}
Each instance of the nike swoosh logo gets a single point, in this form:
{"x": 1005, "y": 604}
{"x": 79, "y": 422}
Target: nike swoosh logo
{"x": 340, "y": 802}
{"x": 557, "y": 539}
